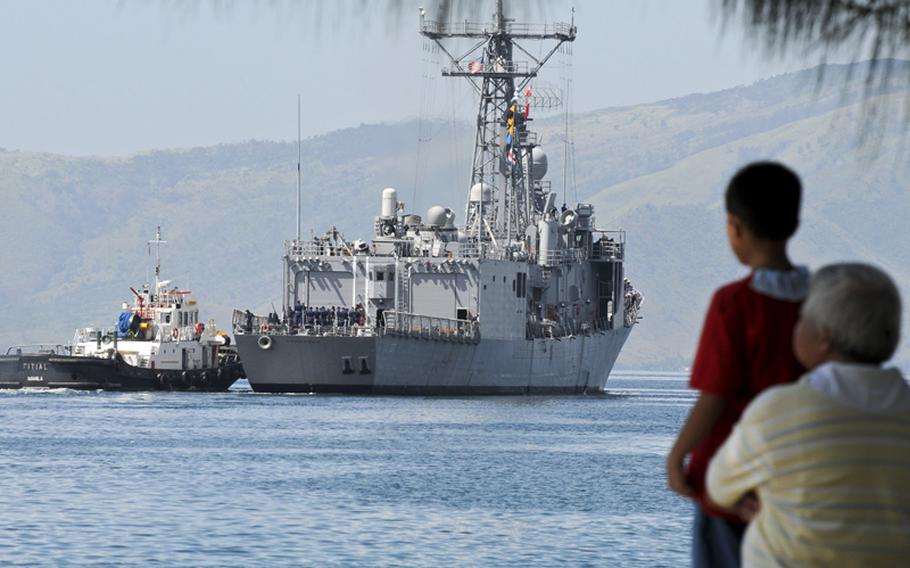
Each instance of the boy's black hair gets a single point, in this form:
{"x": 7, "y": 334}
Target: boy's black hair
{"x": 765, "y": 196}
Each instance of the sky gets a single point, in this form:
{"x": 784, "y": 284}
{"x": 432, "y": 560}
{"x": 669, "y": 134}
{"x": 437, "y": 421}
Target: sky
{"x": 105, "y": 77}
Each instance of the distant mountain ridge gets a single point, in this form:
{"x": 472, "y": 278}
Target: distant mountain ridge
{"x": 75, "y": 228}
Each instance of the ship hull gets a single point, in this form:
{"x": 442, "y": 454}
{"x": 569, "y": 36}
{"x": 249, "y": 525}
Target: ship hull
{"x": 411, "y": 366}
{"x": 50, "y": 371}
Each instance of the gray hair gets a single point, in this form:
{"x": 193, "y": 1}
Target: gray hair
{"x": 859, "y": 306}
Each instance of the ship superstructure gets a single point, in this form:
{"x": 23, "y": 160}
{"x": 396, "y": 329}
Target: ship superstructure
{"x": 526, "y": 296}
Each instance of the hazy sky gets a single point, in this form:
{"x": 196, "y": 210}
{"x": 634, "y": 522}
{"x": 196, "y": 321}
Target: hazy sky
{"x": 107, "y": 77}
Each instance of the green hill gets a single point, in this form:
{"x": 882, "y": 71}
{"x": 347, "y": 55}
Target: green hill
{"x": 75, "y": 229}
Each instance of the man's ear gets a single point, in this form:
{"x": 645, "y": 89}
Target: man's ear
{"x": 824, "y": 343}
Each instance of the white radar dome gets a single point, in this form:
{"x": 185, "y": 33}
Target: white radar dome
{"x": 538, "y": 163}
{"x": 442, "y": 217}
{"x": 479, "y": 189}
{"x": 389, "y": 202}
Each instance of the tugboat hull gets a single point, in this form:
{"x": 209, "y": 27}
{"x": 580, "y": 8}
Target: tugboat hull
{"x": 52, "y": 371}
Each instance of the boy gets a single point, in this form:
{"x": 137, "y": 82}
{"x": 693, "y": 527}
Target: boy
{"x": 744, "y": 346}
{"x": 829, "y": 457}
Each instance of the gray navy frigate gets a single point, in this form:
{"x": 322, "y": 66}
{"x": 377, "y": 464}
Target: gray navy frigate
{"x": 523, "y": 297}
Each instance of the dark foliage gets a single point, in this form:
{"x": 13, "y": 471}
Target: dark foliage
{"x": 877, "y": 30}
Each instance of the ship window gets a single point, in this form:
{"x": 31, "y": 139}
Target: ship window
{"x": 514, "y": 286}
{"x": 391, "y": 276}
{"x": 380, "y": 276}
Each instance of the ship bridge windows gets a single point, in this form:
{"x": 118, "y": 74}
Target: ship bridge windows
{"x": 381, "y": 276}
{"x": 187, "y": 318}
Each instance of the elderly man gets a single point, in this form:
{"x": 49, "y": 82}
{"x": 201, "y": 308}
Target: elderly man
{"x": 828, "y": 457}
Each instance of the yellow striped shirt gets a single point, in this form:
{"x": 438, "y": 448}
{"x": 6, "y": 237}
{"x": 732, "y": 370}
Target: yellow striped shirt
{"x": 833, "y": 477}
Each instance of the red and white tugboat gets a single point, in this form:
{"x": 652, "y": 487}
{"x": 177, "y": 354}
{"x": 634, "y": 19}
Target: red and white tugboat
{"x": 158, "y": 343}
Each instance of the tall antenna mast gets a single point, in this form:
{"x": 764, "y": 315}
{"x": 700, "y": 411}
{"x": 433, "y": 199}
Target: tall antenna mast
{"x": 298, "y": 166}
{"x": 157, "y": 242}
{"x": 505, "y": 197}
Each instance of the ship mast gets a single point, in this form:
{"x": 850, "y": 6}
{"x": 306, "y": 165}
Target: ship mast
{"x": 157, "y": 242}
{"x": 505, "y": 199}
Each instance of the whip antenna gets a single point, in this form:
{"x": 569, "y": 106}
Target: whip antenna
{"x": 298, "y": 166}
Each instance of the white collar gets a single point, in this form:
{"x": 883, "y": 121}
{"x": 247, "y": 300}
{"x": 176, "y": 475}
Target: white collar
{"x": 867, "y": 387}
{"x": 789, "y": 285}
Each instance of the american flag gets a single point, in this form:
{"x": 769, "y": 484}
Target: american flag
{"x": 475, "y": 66}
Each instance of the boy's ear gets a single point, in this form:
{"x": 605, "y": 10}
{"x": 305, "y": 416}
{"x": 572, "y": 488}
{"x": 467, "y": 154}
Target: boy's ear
{"x": 735, "y": 224}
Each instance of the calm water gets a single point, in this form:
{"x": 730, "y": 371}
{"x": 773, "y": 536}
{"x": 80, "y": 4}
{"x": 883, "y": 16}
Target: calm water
{"x": 94, "y": 478}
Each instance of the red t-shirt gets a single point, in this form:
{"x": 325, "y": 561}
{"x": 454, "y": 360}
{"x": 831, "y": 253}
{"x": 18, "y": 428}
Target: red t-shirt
{"x": 745, "y": 347}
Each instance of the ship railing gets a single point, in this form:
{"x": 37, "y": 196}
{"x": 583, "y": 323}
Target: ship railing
{"x": 474, "y": 248}
{"x": 435, "y": 28}
{"x": 302, "y": 249}
{"x": 618, "y": 236}
{"x": 111, "y": 336}
{"x": 328, "y": 328}
{"x": 431, "y": 328}
{"x": 562, "y": 256}
{"x": 39, "y": 349}
{"x": 470, "y": 249}
{"x": 520, "y": 68}
{"x": 520, "y": 29}
{"x": 607, "y": 250}
{"x": 517, "y": 30}
{"x": 104, "y": 335}
{"x": 246, "y": 322}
